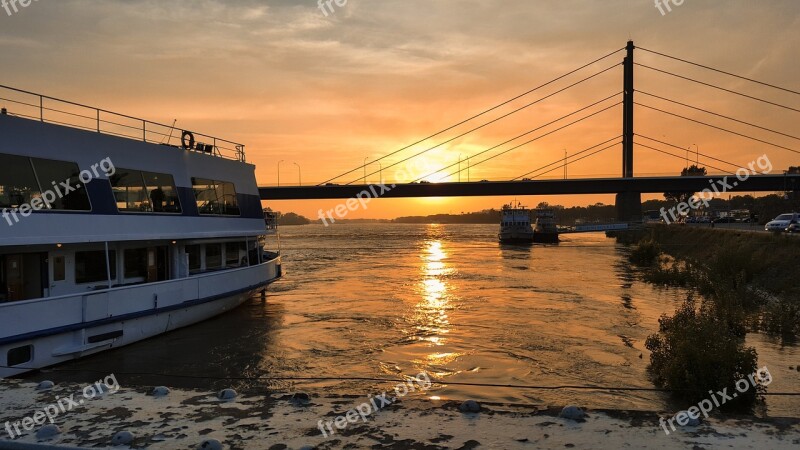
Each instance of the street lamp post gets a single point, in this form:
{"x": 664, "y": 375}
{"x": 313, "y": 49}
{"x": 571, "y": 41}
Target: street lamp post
{"x": 689, "y": 148}
{"x": 279, "y": 173}
{"x": 697, "y": 155}
{"x": 299, "y": 175}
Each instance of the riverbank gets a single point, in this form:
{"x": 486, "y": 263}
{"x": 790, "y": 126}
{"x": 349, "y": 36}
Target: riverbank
{"x": 269, "y": 420}
{"x": 764, "y": 263}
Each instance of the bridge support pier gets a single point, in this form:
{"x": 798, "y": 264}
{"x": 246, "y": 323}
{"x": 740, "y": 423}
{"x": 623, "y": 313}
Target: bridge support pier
{"x": 629, "y": 207}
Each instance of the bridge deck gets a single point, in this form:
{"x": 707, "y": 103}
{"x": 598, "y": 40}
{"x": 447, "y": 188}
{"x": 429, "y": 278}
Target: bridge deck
{"x": 756, "y": 183}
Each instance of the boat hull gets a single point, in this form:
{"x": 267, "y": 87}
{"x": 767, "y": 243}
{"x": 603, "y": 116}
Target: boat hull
{"x": 516, "y": 237}
{"x": 545, "y": 238}
{"x": 95, "y": 333}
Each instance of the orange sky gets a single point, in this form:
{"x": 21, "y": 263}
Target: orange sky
{"x": 326, "y": 92}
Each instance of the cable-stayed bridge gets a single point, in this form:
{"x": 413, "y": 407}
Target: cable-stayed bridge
{"x": 628, "y": 187}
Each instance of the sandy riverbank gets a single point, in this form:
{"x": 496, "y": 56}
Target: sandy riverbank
{"x": 185, "y": 418}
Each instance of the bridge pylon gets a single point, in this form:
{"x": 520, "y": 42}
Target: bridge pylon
{"x": 629, "y": 204}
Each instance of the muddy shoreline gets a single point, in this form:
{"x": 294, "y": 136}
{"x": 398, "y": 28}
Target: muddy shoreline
{"x": 271, "y": 420}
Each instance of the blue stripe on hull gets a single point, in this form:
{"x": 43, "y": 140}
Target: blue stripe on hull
{"x": 124, "y": 317}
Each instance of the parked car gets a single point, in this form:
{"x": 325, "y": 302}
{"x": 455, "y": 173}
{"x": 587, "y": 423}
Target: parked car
{"x": 781, "y": 222}
{"x": 725, "y": 220}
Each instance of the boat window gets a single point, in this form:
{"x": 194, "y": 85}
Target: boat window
{"x": 135, "y": 261}
{"x": 213, "y": 256}
{"x": 215, "y": 197}
{"x": 194, "y": 258}
{"x": 206, "y": 196}
{"x": 232, "y": 252}
{"x": 230, "y": 205}
{"x": 20, "y": 355}
{"x": 90, "y": 267}
{"x": 130, "y": 192}
{"x": 162, "y": 192}
{"x": 53, "y": 176}
{"x": 139, "y": 191}
{"x": 17, "y": 181}
{"x": 3, "y": 282}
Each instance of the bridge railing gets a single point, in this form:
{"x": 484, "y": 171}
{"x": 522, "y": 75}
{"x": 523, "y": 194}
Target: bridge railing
{"x": 289, "y": 182}
{"x": 30, "y": 105}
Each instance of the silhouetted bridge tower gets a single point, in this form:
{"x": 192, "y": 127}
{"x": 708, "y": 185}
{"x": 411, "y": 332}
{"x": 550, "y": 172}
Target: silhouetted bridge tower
{"x": 629, "y": 203}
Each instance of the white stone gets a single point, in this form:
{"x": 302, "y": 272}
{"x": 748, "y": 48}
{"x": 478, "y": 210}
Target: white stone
{"x": 48, "y": 432}
{"x": 161, "y": 391}
{"x": 572, "y": 412}
{"x": 470, "y": 406}
{"x": 227, "y": 394}
{"x": 211, "y": 444}
{"x": 122, "y": 438}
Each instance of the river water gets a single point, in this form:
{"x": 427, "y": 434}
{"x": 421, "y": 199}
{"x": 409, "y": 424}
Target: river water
{"x": 386, "y": 300}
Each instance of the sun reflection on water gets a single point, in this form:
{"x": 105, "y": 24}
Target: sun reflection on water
{"x": 435, "y": 302}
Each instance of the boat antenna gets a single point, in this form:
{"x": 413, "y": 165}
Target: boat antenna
{"x": 174, "y": 121}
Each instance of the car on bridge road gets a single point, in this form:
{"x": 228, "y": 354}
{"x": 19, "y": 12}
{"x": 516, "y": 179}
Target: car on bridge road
{"x": 781, "y": 222}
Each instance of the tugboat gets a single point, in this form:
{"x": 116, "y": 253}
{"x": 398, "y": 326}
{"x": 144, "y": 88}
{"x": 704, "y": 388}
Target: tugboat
{"x": 515, "y": 225}
{"x": 545, "y": 231}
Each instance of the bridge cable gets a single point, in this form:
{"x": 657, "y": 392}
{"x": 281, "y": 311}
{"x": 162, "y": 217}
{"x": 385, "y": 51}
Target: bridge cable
{"x": 720, "y": 115}
{"x": 517, "y": 137}
{"x": 582, "y": 157}
{"x": 720, "y": 71}
{"x": 677, "y": 156}
{"x": 718, "y": 128}
{"x": 720, "y": 88}
{"x": 482, "y": 126}
{"x": 684, "y": 148}
{"x": 536, "y": 138}
{"x": 482, "y": 113}
{"x": 562, "y": 159}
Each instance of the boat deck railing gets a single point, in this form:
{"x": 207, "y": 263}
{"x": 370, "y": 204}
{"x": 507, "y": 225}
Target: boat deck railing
{"x": 30, "y": 105}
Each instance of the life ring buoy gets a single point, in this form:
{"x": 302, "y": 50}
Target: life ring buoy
{"x": 187, "y": 139}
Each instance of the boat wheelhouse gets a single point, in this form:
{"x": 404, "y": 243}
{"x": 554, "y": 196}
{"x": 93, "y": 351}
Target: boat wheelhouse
{"x": 116, "y": 229}
{"x": 515, "y": 224}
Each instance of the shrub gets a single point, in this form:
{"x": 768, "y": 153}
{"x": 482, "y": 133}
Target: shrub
{"x": 782, "y": 317}
{"x": 698, "y": 349}
{"x": 646, "y": 252}
{"x": 670, "y": 272}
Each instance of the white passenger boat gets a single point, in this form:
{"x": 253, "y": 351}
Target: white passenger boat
{"x": 116, "y": 229}
{"x": 515, "y": 224}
